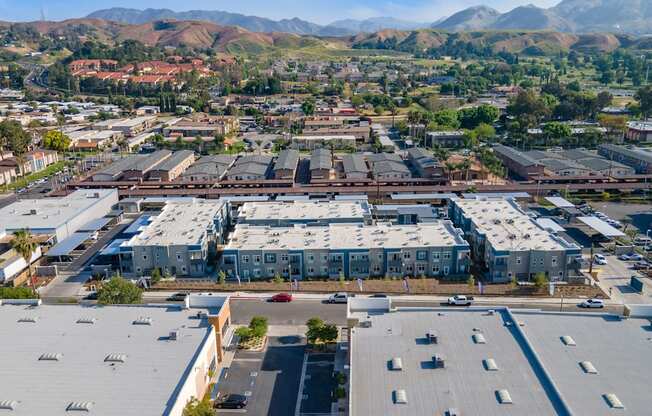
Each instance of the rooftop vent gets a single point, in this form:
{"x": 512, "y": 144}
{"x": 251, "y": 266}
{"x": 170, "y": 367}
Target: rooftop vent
{"x": 8, "y": 404}
{"x": 86, "y": 320}
{"x": 504, "y": 397}
{"x": 31, "y": 319}
{"x": 479, "y": 339}
{"x": 613, "y": 401}
{"x": 115, "y": 358}
{"x": 490, "y": 364}
{"x": 452, "y": 412}
{"x": 80, "y": 406}
{"x": 50, "y": 356}
{"x": 432, "y": 337}
{"x": 397, "y": 364}
{"x": 143, "y": 320}
{"x": 400, "y": 397}
{"x": 588, "y": 367}
{"x": 439, "y": 361}
{"x": 567, "y": 340}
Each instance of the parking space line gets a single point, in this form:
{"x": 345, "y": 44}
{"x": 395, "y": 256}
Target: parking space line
{"x": 248, "y": 359}
{"x": 297, "y": 409}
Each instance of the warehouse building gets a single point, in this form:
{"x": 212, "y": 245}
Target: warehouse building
{"x": 314, "y": 142}
{"x": 115, "y": 170}
{"x": 173, "y": 167}
{"x": 286, "y": 164}
{"x": 285, "y": 214}
{"x": 141, "y": 168}
{"x": 178, "y": 240}
{"x": 638, "y": 159}
{"x": 509, "y": 244}
{"x": 352, "y": 250}
{"x": 578, "y": 162}
{"x": 57, "y": 217}
{"x": 440, "y": 361}
{"x": 355, "y": 166}
{"x": 209, "y": 168}
{"x": 129, "y": 127}
{"x": 97, "y": 360}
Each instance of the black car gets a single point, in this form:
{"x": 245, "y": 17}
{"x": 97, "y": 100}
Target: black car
{"x": 177, "y": 297}
{"x": 91, "y": 296}
{"x": 232, "y": 401}
{"x": 378, "y": 295}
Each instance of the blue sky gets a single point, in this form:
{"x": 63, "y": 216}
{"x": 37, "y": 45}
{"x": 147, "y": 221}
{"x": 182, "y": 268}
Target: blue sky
{"x": 319, "y": 11}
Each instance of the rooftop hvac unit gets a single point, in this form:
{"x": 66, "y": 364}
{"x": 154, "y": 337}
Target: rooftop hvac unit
{"x": 490, "y": 364}
{"x": 438, "y": 361}
{"x": 143, "y": 321}
{"x": 452, "y": 412}
{"x": 432, "y": 337}
{"x": 33, "y": 212}
{"x": 479, "y": 339}
{"x": 174, "y": 335}
{"x": 567, "y": 340}
{"x": 397, "y": 364}
{"x": 588, "y": 367}
{"x": 365, "y": 324}
{"x": 8, "y": 404}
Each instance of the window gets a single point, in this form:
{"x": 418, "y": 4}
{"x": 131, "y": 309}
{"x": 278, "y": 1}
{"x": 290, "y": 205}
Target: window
{"x": 286, "y": 271}
{"x": 422, "y": 255}
{"x": 518, "y": 260}
{"x": 257, "y": 259}
{"x": 447, "y": 255}
{"x": 257, "y": 272}
{"x": 380, "y": 256}
{"x": 284, "y": 257}
{"x": 311, "y": 258}
{"x": 435, "y": 256}
{"x": 311, "y": 270}
{"x": 245, "y": 259}
{"x": 435, "y": 269}
{"x": 270, "y": 271}
{"x": 324, "y": 271}
{"x": 144, "y": 256}
{"x": 178, "y": 256}
{"x": 376, "y": 268}
{"x": 406, "y": 255}
{"x": 446, "y": 270}
{"x": 554, "y": 261}
{"x": 421, "y": 268}
{"x": 270, "y": 258}
{"x": 324, "y": 258}
{"x": 183, "y": 269}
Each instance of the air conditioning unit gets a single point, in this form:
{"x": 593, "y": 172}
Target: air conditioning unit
{"x": 432, "y": 337}
{"x": 439, "y": 361}
{"x": 174, "y": 335}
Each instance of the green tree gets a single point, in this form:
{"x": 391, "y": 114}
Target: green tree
{"x": 644, "y": 97}
{"x": 319, "y": 331}
{"x": 470, "y": 282}
{"x": 119, "y": 291}
{"x": 308, "y": 107}
{"x": 221, "y": 277}
{"x": 156, "y": 276}
{"x": 25, "y": 246}
{"x": 55, "y": 140}
{"x": 258, "y": 326}
{"x": 556, "y": 131}
{"x": 196, "y": 407}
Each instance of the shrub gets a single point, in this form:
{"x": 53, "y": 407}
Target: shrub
{"x": 277, "y": 278}
{"x": 119, "y": 291}
{"x": 339, "y": 393}
{"x": 17, "y": 293}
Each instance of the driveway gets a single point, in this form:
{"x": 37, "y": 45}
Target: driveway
{"x": 270, "y": 378}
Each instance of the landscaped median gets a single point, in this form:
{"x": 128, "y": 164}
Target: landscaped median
{"x": 414, "y": 286}
{"x": 254, "y": 336}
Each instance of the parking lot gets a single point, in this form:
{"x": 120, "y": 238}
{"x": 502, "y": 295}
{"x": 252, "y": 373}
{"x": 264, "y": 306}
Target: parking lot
{"x": 272, "y": 373}
{"x": 318, "y": 385}
{"x": 615, "y": 280}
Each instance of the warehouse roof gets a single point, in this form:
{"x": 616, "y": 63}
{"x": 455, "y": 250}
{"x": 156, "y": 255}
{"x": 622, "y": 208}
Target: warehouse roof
{"x": 354, "y": 163}
{"x": 150, "y": 161}
{"x": 321, "y": 159}
{"x": 304, "y": 211}
{"x": 467, "y": 341}
{"x": 58, "y": 355}
{"x": 515, "y": 155}
{"x": 287, "y": 159}
{"x": 174, "y": 160}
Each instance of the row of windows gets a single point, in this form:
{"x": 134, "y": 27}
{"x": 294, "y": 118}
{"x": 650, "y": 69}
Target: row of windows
{"x": 323, "y": 271}
{"x": 421, "y": 255}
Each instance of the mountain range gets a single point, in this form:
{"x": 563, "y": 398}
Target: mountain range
{"x": 573, "y": 16}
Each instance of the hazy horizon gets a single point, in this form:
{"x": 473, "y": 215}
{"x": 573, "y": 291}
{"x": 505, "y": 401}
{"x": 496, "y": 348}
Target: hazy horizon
{"x": 317, "y": 11}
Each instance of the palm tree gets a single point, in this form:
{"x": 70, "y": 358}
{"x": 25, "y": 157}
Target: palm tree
{"x": 24, "y": 245}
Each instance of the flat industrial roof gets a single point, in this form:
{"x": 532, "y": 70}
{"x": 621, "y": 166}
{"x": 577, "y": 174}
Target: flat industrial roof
{"x": 550, "y": 225}
{"x": 179, "y": 223}
{"x": 145, "y": 384}
{"x": 303, "y": 211}
{"x": 50, "y": 213}
{"x": 464, "y": 384}
{"x": 96, "y": 224}
{"x": 601, "y": 227}
{"x": 506, "y": 226}
{"x": 341, "y": 236}
{"x": 618, "y": 349}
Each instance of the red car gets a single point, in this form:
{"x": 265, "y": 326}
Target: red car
{"x": 282, "y": 297}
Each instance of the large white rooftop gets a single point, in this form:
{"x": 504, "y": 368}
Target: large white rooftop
{"x": 78, "y": 340}
{"x": 179, "y": 223}
{"x": 343, "y": 236}
{"x": 304, "y": 211}
{"x": 52, "y": 213}
{"x": 506, "y": 226}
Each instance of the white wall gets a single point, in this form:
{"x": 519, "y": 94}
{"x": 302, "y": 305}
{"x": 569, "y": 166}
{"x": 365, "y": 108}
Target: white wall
{"x": 12, "y": 268}
{"x": 638, "y": 311}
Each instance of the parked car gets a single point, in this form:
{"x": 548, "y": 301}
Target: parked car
{"x": 599, "y": 259}
{"x": 281, "y": 297}
{"x": 636, "y": 257}
{"x": 460, "y": 300}
{"x": 177, "y": 297}
{"x": 641, "y": 265}
{"x": 232, "y": 401}
{"x": 91, "y": 296}
{"x": 341, "y": 297}
{"x": 642, "y": 241}
{"x": 592, "y": 303}
{"x": 625, "y": 257}
{"x": 379, "y": 295}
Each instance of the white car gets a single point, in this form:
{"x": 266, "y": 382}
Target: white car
{"x": 341, "y": 297}
{"x": 599, "y": 259}
{"x": 592, "y": 303}
{"x": 460, "y": 300}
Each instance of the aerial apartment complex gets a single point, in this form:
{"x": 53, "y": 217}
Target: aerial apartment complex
{"x": 304, "y": 212}
{"x": 510, "y": 244}
{"x": 178, "y": 240}
{"x": 351, "y": 250}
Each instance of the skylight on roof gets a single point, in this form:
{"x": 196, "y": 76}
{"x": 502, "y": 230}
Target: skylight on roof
{"x": 51, "y": 356}
{"x": 80, "y": 406}
{"x": 8, "y": 404}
